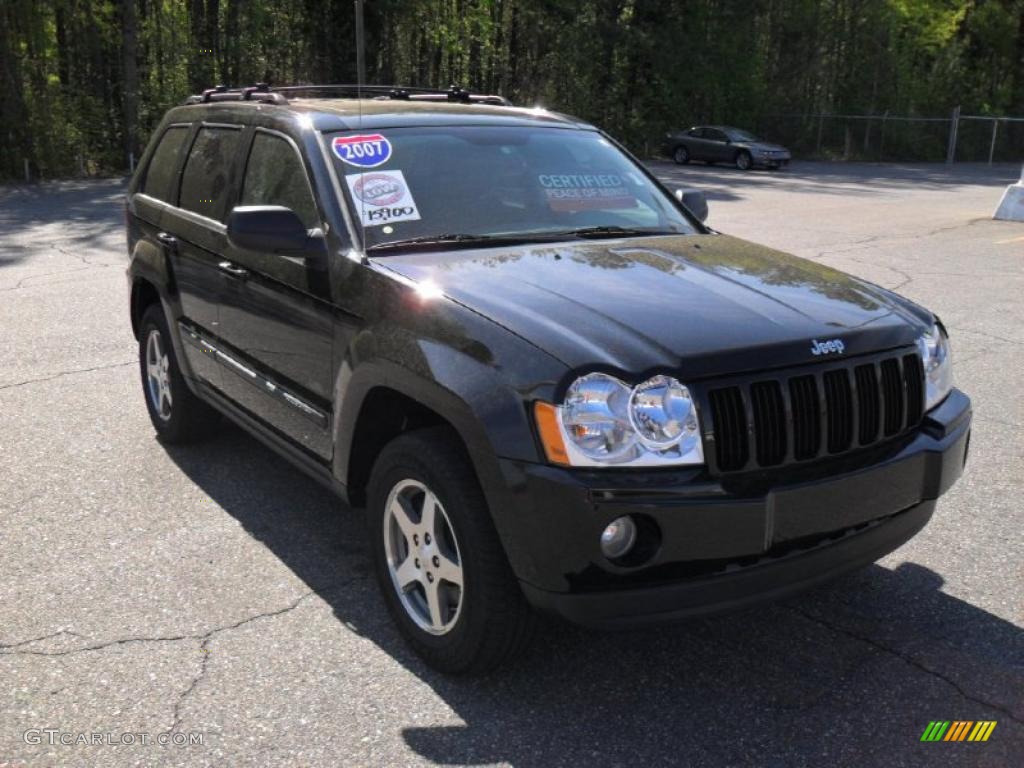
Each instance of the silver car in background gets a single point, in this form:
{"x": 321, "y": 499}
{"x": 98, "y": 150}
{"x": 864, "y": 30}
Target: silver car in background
{"x": 724, "y": 144}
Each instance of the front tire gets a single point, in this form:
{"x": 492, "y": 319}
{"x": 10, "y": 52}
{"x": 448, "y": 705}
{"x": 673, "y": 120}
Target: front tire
{"x": 177, "y": 414}
{"x": 681, "y": 155}
{"x": 744, "y": 161}
{"x": 439, "y": 562}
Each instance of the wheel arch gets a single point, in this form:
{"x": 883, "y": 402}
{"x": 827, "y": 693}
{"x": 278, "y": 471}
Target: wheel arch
{"x": 382, "y": 400}
{"x": 151, "y": 278}
{"x": 385, "y": 390}
{"x": 144, "y": 293}
{"x": 385, "y": 413}
{"x": 152, "y": 281}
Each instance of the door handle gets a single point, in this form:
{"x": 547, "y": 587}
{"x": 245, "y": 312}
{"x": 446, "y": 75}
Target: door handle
{"x": 168, "y": 240}
{"x": 232, "y": 269}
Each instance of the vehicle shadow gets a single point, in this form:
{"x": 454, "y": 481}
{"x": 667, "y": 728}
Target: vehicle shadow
{"x": 849, "y": 674}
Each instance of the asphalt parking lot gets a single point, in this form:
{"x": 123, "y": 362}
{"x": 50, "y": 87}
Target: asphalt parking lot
{"x": 214, "y": 590}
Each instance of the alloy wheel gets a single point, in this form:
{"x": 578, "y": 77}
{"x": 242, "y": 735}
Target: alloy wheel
{"x": 158, "y": 377}
{"x": 423, "y": 557}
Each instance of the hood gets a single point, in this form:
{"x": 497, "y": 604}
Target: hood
{"x": 703, "y": 305}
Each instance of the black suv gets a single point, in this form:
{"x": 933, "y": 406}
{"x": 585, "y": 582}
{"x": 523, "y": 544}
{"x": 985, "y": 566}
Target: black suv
{"x": 547, "y": 381}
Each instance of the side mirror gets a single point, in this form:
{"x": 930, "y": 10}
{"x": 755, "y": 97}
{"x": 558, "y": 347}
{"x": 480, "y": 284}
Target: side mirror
{"x": 694, "y": 201}
{"x": 272, "y": 228}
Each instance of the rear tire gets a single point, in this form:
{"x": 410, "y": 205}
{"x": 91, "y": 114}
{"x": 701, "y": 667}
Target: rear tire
{"x": 177, "y": 414}
{"x": 681, "y": 155}
{"x": 467, "y": 628}
{"x": 744, "y": 161}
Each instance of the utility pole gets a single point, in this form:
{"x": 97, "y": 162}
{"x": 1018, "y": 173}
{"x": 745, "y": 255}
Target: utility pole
{"x": 360, "y": 45}
{"x": 954, "y": 127}
{"x": 992, "y": 145}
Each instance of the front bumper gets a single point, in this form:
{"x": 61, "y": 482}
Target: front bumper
{"x": 730, "y": 543}
{"x": 780, "y": 161}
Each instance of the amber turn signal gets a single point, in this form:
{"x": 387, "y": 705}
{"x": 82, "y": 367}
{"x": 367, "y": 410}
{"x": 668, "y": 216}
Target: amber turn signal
{"x": 550, "y": 433}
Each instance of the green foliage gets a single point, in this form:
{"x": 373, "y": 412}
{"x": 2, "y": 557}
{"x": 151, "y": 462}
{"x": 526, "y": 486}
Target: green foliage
{"x": 634, "y": 67}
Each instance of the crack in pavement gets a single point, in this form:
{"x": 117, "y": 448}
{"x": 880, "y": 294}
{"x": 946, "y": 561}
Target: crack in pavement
{"x": 176, "y": 716}
{"x": 88, "y": 266}
{"x": 907, "y": 278}
{"x": 204, "y": 648}
{"x": 39, "y": 639}
{"x": 857, "y": 245}
{"x": 21, "y": 283}
{"x": 59, "y": 374}
{"x": 203, "y": 636}
{"x": 56, "y": 246}
{"x": 906, "y": 659}
{"x": 1016, "y": 342}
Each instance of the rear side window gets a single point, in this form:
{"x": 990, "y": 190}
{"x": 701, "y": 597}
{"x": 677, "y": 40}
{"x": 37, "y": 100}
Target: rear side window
{"x": 161, "y": 177}
{"x": 274, "y": 175}
{"x": 206, "y": 183}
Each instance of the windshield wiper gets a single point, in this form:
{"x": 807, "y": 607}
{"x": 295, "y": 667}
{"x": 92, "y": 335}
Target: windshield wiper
{"x": 426, "y": 240}
{"x": 462, "y": 238}
{"x": 466, "y": 239}
{"x": 614, "y": 231}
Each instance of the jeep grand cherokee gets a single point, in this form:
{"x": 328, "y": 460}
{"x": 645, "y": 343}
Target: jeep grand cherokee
{"x": 548, "y": 383}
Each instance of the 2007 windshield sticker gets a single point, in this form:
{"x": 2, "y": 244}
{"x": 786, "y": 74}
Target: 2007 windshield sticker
{"x": 382, "y": 197}
{"x": 365, "y": 151}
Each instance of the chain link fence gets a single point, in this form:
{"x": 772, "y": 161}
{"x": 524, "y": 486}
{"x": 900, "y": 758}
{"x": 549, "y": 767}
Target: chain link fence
{"x": 899, "y": 138}
{"x": 875, "y": 138}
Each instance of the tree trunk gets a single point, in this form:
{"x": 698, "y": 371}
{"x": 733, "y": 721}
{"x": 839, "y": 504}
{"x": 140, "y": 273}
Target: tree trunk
{"x": 13, "y": 114}
{"x": 130, "y": 75}
{"x": 200, "y": 56}
{"x": 231, "y": 60}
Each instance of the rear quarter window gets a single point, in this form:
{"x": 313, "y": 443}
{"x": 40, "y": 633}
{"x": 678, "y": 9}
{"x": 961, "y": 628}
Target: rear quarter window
{"x": 161, "y": 176}
{"x": 206, "y": 184}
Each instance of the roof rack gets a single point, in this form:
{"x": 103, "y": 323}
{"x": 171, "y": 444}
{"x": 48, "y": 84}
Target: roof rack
{"x": 263, "y": 92}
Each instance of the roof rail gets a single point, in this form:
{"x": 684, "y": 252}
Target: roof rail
{"x": 259, "y": 92}
{"x": 263, "y": 92}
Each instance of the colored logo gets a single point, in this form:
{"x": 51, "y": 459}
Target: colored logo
{"x": 378, "y": 189}
{"x": 958, "y": 730}
{"x": 364, "y": 151}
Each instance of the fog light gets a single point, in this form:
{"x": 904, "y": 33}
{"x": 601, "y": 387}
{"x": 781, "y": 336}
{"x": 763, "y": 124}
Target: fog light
{"x": 618, "y": 538}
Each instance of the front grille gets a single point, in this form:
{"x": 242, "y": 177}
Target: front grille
{"x": 731, "y": 419}
{"x": 806, "y": 417}
{"x": 769, "y": 423}
{"x": 829, "y": 410}
{"x": 838, "y": 410}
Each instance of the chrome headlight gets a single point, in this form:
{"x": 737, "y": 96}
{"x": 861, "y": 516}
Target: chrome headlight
{"x": 605, "y": 422}
{"x": 596, "y": 418}
{"x": 938, "y": 366}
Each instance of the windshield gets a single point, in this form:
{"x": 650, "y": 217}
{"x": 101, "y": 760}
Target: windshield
{"x": 737, "y": 135}
{"x": 471, "y": 183}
